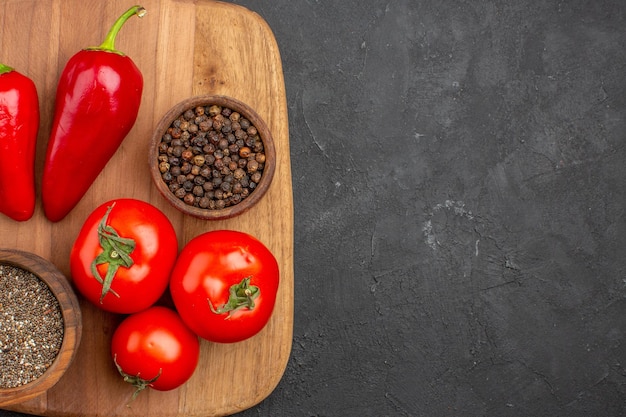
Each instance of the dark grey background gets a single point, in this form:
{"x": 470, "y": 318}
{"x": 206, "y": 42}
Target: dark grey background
{"x": 459, "y": 188}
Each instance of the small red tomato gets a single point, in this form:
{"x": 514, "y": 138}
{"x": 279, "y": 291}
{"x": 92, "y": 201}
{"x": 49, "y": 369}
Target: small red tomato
{"x": 224, "y": 285}
{"x": 123, "y": 256}
{"x": 154, "y": 348}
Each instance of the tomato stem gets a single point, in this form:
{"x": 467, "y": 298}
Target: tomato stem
{"x": 241, "y": 295}
{"x": 109, "y": 41}
{"x": 135, "y": 380}
{"x": 116, "y": 252}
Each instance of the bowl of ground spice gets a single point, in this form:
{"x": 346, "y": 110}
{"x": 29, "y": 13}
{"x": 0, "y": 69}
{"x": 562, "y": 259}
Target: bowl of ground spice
{"x": 40, "y": 325}
{"x": 212, "y": 157}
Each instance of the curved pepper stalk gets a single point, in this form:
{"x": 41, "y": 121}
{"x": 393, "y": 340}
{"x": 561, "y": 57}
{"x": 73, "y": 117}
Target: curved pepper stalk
{"x": 19, "y": 125}
{"x": 97, "y": 102}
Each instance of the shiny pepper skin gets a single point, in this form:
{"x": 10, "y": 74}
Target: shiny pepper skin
{"x": 97, "y": 103}
{"x": 19, "y": 125}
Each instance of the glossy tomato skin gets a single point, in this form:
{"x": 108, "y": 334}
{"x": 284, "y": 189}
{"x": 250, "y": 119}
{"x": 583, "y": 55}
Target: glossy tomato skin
{"x": 156, "y": 247}
{"x": 205, "y": 270}
{"x": 156, "y": 342}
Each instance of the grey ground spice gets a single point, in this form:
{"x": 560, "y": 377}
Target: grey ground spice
{"x": 31, "y": 327}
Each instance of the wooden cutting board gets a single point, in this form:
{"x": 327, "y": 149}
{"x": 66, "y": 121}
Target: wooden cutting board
{"x": 183, "y": 48}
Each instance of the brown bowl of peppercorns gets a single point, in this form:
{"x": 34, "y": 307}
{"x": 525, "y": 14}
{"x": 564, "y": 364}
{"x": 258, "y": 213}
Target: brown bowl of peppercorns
{"x": 212, "y": 157}
{"x": 41, "y": 325}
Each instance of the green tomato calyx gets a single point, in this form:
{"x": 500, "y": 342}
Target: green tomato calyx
{"x": 135, "y": 380}
{"x": 241, "y": 295}
{"x": 116, "y": 252}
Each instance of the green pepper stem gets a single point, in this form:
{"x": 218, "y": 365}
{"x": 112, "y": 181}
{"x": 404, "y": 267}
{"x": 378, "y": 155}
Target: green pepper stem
{"x": 109, "y": 41}
{"x": 5, "y": 68}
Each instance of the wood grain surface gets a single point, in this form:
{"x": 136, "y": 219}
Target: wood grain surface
{"x": 183, "y": 48}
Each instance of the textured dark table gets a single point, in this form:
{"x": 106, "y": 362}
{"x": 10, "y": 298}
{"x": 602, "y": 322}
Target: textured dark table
{"x": 460, "y": 194}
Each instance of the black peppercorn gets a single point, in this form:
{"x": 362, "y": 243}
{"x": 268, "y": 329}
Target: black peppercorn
{"x": 209, "y": 160}
{"x": 218, "y": 122}
{"x": 205, "y": 125}
{"x": 177, "y": 151}
{"x": 189, "y": 199}
{"x": 198, "y": 191}
{"x": 244, "y": 152}
{"x": 187, "y": 154}
{"x": 211, "y": 157}
{"x": 256, "y": 177}
{"x": 204, "y": 202}
{"x": 164, "y": 167}
{"x": 180, "y": 193}
{"x": 253, "y": 166}
{"x": 226, "y": 186}
{"x": 176, "y": 132}
{"x": 198, "y": 160}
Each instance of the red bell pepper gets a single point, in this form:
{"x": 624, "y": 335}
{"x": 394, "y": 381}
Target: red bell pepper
{"x": 19, "y": 125}
{"x": 97, "y": 103}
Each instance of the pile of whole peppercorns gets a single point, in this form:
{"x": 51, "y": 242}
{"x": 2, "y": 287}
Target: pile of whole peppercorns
{"x": 211, "y": 157}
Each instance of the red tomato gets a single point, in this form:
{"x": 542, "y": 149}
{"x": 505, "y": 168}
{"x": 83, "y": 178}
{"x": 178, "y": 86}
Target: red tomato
{"x": 123, "y": 256}
{"x": 154, "y": 348}
{"x": 224, "y": 285}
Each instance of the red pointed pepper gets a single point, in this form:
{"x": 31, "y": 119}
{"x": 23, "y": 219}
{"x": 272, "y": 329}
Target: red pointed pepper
{"x": 97, "y": 103}
{"x": 19, "y": 124}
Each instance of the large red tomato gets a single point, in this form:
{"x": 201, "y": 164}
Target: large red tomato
{"x": 154, "y": 348}
{"x": 123, "y": 256}
{"x": 224, "y": 285}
